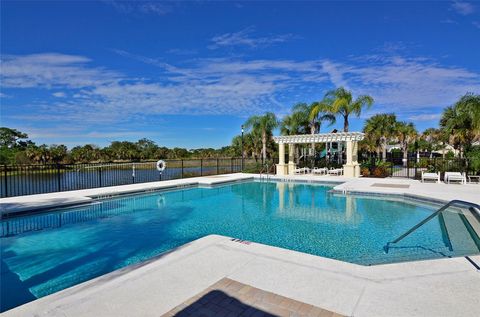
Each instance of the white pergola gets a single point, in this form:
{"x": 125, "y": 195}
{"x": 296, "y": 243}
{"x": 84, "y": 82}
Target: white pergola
{"x": 350, "y": 169}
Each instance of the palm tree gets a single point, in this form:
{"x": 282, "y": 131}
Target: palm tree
{"x": 310, "y": 118}
{"x": 292, "y": 124}
{"x": 436, "y": 138}
{"x": 406, "y": 133}
{"x": 379, "y": 129}
{"x": 469, "y": 104}
{"x": 263, "y": 125}
{"x": 456, "y": 122}
{"x": 340, "y": 101}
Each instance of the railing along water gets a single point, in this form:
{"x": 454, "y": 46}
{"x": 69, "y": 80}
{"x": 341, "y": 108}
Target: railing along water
{"x": 18, "y": 180}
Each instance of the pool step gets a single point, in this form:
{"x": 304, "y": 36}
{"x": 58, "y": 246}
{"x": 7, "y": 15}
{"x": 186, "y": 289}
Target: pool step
{"x": 459, "y": 233}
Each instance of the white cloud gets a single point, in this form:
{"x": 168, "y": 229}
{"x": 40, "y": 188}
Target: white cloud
{"x": 52, "y": 70}
{"x": 59, "y": 94}
{"x": 246, "y": 38}
{"x": 409, "y": 83}
{"x": 227, "y": 86}
{"x": 425, "y": 117}
{"x": 463, "y": 8}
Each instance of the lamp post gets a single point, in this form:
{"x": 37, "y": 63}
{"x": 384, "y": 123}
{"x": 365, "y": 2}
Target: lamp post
{"x": 242, "y": 147}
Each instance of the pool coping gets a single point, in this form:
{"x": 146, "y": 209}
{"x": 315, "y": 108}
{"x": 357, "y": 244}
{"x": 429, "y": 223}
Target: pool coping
{"x": 444, "y": 287}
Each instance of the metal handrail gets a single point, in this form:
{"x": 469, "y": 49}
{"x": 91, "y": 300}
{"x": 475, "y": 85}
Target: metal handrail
{"x": 265, "y": 170}
{"x": 473, "y": 207}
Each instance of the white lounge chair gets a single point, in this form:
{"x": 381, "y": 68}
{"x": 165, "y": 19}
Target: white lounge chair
{"x": 455, "y": 177}
{"x": 301, "y": 170}
{"x": 320, "y": 170}
{"x": 336, "y": 172}
{"x": 431, "y": 176}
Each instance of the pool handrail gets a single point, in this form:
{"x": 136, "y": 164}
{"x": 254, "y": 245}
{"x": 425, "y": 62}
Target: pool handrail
{"x": 473, "y": 207}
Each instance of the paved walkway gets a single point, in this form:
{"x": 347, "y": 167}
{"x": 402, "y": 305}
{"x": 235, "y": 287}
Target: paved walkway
{"x": 229, "y": 298}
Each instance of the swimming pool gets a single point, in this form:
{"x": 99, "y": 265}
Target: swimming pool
{"x": 50, "y": 251}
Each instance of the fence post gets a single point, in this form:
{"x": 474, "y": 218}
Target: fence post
{"x": 231, "y": 165}
{"x": 182, "y": 168}
{"x": 58, "y": 177}
{"x": 217, "y": 165}
{"x": 100, "y": 176}
{"x": 201, "y": 167}
{"x": 5, "y": 181}
{"x": 415, "y": 170}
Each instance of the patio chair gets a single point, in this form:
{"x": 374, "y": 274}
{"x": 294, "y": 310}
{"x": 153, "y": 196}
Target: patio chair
{"x": 320, "y": 170}
{"x": 301, "y": 170}
{"x": 455, "y": 177}
{"x": 430, "y": 176}
{"x": 336, "y": 172}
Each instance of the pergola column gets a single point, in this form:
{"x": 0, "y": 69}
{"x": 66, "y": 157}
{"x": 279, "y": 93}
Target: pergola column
{"x": 351, "y": 168}
{"x": 291, "y": 159}
{"x": 281, "y": 166}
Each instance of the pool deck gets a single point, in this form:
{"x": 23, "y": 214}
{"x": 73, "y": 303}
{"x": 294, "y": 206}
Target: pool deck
{"x": 443, "y": 287}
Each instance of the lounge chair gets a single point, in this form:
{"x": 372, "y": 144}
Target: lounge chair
{"x": 320, "y": 170}
{"x": 301, "y": 170}
{"x": 430, "y": 176}
{"x": 336, "y": 172}
{"x": 455, "y": 177}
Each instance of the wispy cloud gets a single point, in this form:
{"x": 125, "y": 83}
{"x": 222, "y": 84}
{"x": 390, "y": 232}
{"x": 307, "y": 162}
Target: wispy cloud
{"x": 145, "y": 7}
{"x": 463, "y": 8}
{"x": 476, "y": 24}
{"x": 425, "y": 117}
{"x": 51, "y": 70}
{"x": 247, "y": 38}
{"x": 233, "y": 86}
{"x": 408, "y": 83}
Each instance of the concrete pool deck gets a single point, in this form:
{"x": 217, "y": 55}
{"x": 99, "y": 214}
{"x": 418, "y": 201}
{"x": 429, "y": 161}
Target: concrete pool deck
{"x": 444, "y": 287}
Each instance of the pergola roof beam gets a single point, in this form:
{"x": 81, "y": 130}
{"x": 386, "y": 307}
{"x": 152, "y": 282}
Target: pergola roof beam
{"x": 319, "y": 138}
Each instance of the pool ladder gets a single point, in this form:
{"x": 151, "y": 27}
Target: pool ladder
{"x": 474, "y": 209}
{"x": 265, "y": 171}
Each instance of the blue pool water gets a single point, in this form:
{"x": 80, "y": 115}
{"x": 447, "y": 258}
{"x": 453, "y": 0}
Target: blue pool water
{"x": 44, "y": 253}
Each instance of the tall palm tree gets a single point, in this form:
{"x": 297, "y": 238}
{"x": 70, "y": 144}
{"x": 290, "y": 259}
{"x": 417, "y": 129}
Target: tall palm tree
{"x": 264, "y": 125}
{"x": 340, "y": 101}
{"x": 312, "y": 116}
{"x": 379, "y": 129}
{"x": 406, "y": 134}
{"x": 292, "y": 124}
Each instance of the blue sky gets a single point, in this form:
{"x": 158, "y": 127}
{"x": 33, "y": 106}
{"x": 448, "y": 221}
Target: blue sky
{"x": 189, "y": 73}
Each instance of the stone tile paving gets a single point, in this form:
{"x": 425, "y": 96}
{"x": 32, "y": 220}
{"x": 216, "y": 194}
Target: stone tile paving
{"x": 229, "y": 298}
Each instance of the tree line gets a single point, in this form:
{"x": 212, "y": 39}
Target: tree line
{"x": 459, "y": 127}
{"x": 16, "y": 148}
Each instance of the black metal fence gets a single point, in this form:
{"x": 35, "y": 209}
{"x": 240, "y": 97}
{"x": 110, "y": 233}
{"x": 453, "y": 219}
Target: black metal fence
{"x": 412, "y": 166}
{"x": 18, "y": 180}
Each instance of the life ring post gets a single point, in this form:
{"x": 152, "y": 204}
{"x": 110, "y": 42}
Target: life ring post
{"x": 161, "y": 166}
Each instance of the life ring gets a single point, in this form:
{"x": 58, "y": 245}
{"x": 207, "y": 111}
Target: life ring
{"x": 161, "y": 165}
